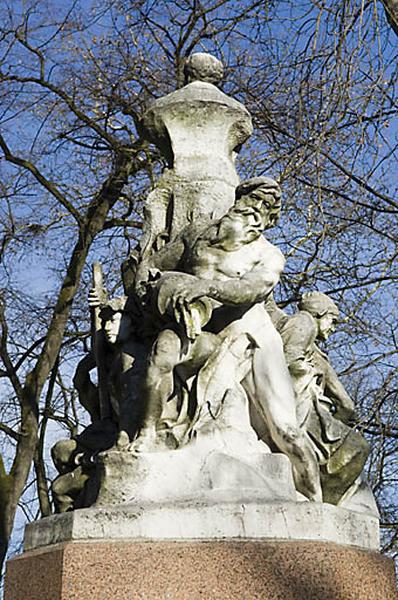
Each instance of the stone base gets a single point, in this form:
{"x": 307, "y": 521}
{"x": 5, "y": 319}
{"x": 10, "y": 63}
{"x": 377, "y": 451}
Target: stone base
{"x": 193, "y": 472}
{"x": 219, "y": 570}
{"x": 209, "y": 520}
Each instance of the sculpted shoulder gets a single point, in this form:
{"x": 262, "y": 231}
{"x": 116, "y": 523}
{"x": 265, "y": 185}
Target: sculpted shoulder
{"x": 270, "y": 254}
{"x": 300, "y": 326}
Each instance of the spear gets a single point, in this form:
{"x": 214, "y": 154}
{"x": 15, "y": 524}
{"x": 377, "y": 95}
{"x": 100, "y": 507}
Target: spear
{"x": 98, "y": 340}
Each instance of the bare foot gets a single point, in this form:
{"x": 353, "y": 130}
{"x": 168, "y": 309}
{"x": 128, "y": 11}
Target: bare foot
{"x": 123, "y": 441}
{"x": 145, "y": 442}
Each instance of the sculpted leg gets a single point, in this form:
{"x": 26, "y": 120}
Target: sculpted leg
{"x": 293, "y": 442}
{"x": 66, "y": 489}
{"x": 158, "y": 385}
{"x": 270, "y": 389}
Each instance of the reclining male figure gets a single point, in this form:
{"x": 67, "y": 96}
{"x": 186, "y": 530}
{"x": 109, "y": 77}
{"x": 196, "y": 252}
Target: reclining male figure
{"x": 228, "y": 264}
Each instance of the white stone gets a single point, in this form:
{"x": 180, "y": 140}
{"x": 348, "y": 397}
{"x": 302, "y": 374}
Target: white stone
{"x": 199, "y": 129}
{"x": 205, "y": 520}
{"x": 187, "y": 463}
{"x": 194, "y": 473}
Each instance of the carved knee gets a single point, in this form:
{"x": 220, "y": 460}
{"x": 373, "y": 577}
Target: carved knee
{"x": 164, "y": 356}
{"x": 62, "y": 454}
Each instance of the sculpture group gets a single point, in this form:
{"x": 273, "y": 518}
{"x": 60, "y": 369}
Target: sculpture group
{"x": 196, "y": 349}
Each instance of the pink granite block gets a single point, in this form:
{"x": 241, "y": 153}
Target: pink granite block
{"x": 213, "y": 570}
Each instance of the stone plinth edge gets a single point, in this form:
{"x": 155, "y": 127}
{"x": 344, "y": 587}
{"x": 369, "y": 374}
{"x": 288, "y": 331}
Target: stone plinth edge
{"x": 201, "y": 520}
{"x": 215, "y": 570}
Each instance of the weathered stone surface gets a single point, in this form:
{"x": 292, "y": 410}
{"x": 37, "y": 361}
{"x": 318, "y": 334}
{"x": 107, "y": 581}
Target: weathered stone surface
{"x": 192, "y": 369}
{"x": 223, "y": 570}
{"x": 192, "y": 472}
{"x": 199, "y": 130}
{"x": 325, "y": 410}
{"x": 199, "y": 127}
{"x": 216, "y": 517}
{"x": 230, "y": 346}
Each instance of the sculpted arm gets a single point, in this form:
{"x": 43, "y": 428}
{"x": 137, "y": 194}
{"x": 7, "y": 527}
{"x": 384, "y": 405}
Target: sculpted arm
{"x": 253, "y": 286}
{"x": 298, "y": 337}
{"x": 249, "y": 289}
{"x": 88, "y": 392}
{"x": 334, "y": 389}
{"x": 171, "y": 256}
{"x": 166, "y": 259}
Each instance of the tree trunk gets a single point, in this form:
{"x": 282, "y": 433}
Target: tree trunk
{"x": 5, "y": 486}
{"x": 391, "y": 10}
{"x": 13, "y": 484}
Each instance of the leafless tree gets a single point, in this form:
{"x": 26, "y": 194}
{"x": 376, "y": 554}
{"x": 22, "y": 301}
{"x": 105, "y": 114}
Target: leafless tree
{"x": 391, "y": 10}
{"x": 319, "y": 78}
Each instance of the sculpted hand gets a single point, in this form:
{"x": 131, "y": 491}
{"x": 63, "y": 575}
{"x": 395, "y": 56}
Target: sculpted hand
{"x": 182, "y": 298}
{"x": 93, "y": 298}
{"x": 82, "y": 374}
{"x": 346, "y": 414}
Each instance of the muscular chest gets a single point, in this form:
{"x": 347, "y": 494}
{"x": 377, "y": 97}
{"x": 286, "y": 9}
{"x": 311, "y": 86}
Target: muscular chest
{"x": 209, "y": 261}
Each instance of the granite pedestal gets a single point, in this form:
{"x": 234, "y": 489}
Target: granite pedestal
{"x": 191, "y": 570}
{"x": 203, "y": 549}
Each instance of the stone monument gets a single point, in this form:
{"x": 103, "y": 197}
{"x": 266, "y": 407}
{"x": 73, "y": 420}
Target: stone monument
{"x": 221, "y": 460}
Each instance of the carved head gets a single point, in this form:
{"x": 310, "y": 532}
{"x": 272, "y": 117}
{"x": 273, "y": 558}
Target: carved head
{"x": 257, "y": 207}
{"x": 203, "y": 67}
{"x": 116, "y": 322}
{"x": 261, "y": 195}
{"x": 323, "y": 309}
